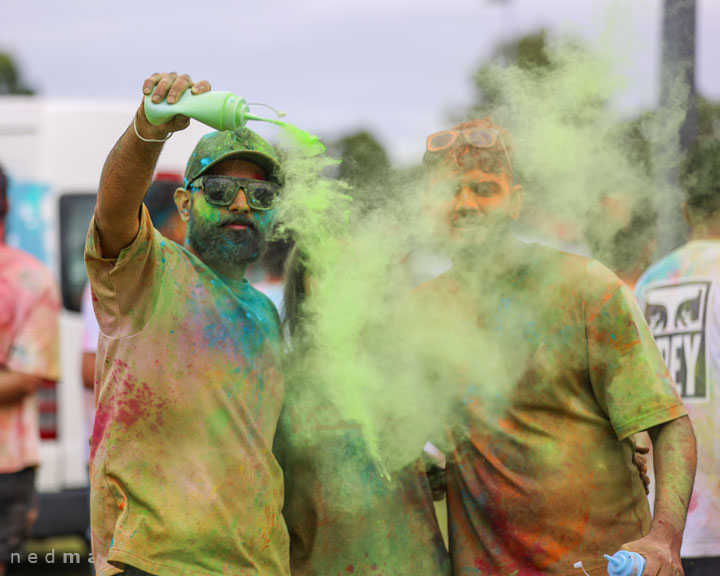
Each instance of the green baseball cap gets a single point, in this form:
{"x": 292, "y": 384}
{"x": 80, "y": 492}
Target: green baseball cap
{"x": 242, "y": 143}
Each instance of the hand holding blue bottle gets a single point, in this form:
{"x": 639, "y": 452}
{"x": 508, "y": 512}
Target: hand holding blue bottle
{"x": 624, "y": 563}
{"x": 661, "y": 550}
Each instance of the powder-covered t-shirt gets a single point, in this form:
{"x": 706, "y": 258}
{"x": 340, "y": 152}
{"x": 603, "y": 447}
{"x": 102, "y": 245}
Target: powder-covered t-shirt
{"x": 680, "y": 296}
{"x": 345, "y": 514}
{"x": 541, "y": 473}
{"x": 188, "y": 394}
{"x": 29, "y": 344}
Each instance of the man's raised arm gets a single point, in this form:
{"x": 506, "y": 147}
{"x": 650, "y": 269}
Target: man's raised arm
{"x": 129, "y": 167}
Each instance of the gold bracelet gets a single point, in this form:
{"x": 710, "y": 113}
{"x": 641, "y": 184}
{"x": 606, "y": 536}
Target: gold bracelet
{"x": 148, "y": 139}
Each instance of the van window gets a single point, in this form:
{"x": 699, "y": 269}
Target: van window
{"x": 76, "y": 210}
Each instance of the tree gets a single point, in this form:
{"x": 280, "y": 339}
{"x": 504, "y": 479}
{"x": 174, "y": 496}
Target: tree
{"x": 365, "y": 167}
{"x": 10, "y": 77}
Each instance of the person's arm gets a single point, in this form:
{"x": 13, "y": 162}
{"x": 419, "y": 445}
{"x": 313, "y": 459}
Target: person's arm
{"x": 129, "y": 167}
{"x": 634, "y": 387}
{"x": 88, "y": 370}
{"x": 675, "y": 459}
{"x": 14, "y": 386}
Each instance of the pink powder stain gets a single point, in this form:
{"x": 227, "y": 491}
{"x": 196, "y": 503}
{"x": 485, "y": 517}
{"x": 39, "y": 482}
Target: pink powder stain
{"x": 139, "y": 401}
{"x": 693, "y": 502}
{"x": 130, "y": 402}
{"x": 104, "y": 410}
{"x": 103, "y": 416}
{"x": 350, "y": 569}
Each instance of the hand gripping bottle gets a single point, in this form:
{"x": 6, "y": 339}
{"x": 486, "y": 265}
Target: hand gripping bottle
{"x": 625, "y": 563}
{"x": 219, "y": 110}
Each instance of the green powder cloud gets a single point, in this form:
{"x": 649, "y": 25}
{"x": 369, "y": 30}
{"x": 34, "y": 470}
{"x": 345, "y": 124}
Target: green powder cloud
{"x": 397, "y": 368}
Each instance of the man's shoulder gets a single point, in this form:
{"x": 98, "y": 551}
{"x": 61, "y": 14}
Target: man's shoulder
{"x": 574, "y": 270}
{"x": 694, "y": 259}
{"x": 663, "y": 269}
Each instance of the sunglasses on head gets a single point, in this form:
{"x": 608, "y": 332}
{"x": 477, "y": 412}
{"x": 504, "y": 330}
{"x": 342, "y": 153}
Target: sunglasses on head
{"x": 222, "y": 191}
{"x": 483, "y": 138}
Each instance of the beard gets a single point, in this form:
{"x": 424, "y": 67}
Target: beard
{"x": 217, "y": 244}
{"x": 476, "y": 240}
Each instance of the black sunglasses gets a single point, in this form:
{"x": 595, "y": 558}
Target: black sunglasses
{"x": 222, "y": 191}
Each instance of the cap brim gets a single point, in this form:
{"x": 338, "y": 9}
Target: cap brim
{"x": 263, "y": 160}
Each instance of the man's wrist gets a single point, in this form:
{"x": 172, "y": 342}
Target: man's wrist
{"x": 148, "y": 132}
{"x": 666, "y": 530}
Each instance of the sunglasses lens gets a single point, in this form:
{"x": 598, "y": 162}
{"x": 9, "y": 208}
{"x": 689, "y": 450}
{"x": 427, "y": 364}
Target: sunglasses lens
{"x": 261, "y": 195}
{"x": 481, "y": 138}
{"x": 440, "y": 141}
{"x": 219, "y": 191}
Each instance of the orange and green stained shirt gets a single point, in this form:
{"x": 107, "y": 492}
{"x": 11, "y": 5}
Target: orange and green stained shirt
{"x": 540, "y": 475}
{"x": 188, "y": 395}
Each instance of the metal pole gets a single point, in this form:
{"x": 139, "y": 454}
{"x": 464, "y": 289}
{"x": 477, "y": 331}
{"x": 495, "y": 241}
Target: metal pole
{"x": 677, "y": 88}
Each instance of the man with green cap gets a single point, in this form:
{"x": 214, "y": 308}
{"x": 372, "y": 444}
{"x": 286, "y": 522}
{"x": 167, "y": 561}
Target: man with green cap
{"x": 182, "y": 474}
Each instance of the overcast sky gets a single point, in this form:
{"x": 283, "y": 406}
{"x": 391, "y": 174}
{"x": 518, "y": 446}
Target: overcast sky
{"x": 395, "y": 67}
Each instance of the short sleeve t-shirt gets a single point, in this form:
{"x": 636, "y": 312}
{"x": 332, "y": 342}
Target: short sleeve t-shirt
{"x": 29, "y": 309}
{"x": 343, "y": 514}
{"x": 541, "y": 473}
{"x": 188, "y": 395}
{"x": 680, "y": 296}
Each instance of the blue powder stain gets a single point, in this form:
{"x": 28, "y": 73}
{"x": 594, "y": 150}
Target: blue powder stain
{"x": 613, "y": 336}
{"x": 172, "y": 331}
{"x": 531, "y": 332}
{"x": 163, "y": 259}
{"x": 133, "y": 534}
{"x": 162, "y": 243}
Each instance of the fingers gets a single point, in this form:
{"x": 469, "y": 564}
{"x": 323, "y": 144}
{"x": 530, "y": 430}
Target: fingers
{"x": 180, "y": 122}
{"x": 200, "y": 87}
{"x": 171, "y": 85}
{"x": 163, "y": 86}
{"x": 177, "y": 87}
{"x": 642, "y": 449}
{"x": 150, "y": 83}
{"x": 641, "y": 463}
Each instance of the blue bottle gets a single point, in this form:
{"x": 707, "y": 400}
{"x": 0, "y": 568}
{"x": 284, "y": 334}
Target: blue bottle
{"x": 625, "y": 563}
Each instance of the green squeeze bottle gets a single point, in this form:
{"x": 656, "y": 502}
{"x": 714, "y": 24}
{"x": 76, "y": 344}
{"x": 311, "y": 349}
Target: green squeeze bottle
{"x": 223, "y": 111}
{"x": 217, "y": 109}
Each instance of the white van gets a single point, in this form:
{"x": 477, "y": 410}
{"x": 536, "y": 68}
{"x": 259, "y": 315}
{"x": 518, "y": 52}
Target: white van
{"x": 53, "y": 152}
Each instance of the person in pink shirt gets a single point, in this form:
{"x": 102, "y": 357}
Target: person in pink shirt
{"x": 29, "y": 309}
